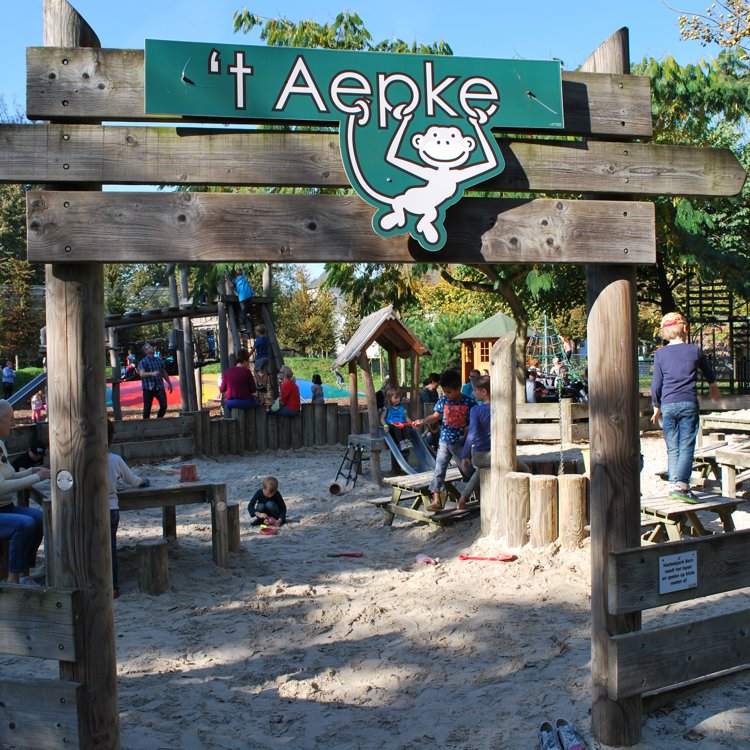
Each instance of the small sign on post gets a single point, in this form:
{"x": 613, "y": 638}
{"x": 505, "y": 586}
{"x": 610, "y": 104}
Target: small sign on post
{"x": 678, "y": 572}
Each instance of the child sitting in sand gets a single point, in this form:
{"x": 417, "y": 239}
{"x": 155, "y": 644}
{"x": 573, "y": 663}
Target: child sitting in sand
{"x": 267, "y": 505}
{"x": 393, "y": 418}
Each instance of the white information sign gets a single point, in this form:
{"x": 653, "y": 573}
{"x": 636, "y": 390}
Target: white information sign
{"x": 678, "y": 572}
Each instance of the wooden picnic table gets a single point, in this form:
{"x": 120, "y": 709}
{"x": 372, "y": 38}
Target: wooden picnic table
{"x": 729, "y": 460}
{"x": 168, "y": 498}
{"x": 187, "y": 493}
{"x": 410, "y": 496}
{"x": 669, "y": 515}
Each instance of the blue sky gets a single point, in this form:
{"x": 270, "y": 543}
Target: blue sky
{"x": 540, "y": 29}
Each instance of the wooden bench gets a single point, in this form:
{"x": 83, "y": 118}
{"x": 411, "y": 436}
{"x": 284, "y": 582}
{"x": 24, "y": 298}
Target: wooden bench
{"x": 410, "y": 496}
{"x": 168, "y": 498}
{"x": 41, "y": 623}
{"x": 669, "y": 515}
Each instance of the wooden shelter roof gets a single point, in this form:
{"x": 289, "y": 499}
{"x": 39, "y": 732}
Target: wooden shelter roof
{"x": 492, "y": 328}
{"x": 388, "y": 330}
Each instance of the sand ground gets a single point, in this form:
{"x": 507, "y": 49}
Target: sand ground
{"x": 291, "y": 648}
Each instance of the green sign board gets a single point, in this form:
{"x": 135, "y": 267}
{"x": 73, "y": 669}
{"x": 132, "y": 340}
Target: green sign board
{"x": 414, "y": 129}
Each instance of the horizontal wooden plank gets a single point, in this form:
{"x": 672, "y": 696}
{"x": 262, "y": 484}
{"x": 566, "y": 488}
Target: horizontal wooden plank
{"x": 649, "y": 660}
{"x": 725, "y": 403}
{"x": 38, "y": 154}
{"x": 108, "y": 85}
{"x": 148, "y": 449}
{"x": 160, "y": 497}
{"x": 40, "y": 714}
{"x": 738, "y": 459}
{"x": 538, "y": 411}
{"x": 38, "y": 622}
{"x": 206, "y": 227}
{"x": 723, "y": 564}
{"x": 539, "y": 431}
{"x": 149, "y": 429}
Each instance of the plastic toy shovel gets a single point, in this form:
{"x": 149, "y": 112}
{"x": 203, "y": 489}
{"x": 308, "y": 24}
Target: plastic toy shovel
{"x": 505, "y": 557}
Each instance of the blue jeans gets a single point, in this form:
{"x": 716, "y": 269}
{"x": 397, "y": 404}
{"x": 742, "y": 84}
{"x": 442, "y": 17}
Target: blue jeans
{"x": 25, "y": 529}
{"x": 681, "y": 422}
{"x": 446, "y": 451}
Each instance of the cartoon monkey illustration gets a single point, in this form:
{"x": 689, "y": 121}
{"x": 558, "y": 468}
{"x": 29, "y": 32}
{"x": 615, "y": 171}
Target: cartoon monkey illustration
{"x": 443, "y": 152}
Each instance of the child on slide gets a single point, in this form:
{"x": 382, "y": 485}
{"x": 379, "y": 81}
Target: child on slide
{"x": 266, "y": 505}
{"x": 393, "y": 418}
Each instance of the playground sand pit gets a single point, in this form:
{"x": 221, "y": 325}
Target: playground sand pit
{"x": 292, "y": 648}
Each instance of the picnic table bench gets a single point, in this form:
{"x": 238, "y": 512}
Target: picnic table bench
{"x": 410, "y": 496}
{"x": 729, "y": 461}
{"x": 704, "y": 464}
{"x": 668, "y": 515}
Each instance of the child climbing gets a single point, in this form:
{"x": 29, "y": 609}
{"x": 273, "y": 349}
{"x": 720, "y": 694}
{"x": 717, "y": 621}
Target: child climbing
{"x": 267, "y": 505}
{"x": 261, "y": 349}
{"x": 393, "y": 418}
{"x": 452, "y": 410}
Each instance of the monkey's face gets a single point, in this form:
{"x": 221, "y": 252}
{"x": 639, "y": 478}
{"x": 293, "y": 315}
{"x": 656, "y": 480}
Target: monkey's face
{"x": 443, "y": 146}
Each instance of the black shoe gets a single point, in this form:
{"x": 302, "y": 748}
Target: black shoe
{"x": 256, "y": 522}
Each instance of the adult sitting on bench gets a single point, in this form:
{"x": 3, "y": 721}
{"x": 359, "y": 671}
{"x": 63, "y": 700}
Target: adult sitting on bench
{"x": 24, "y": 526}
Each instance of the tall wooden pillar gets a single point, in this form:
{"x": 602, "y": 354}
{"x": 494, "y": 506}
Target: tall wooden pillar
{"x": 80, "y": 556}
{"x": 174, "y": 300}
{"x": 114, "y": 361}
{"x": 615, "y": 466}
{"x": 187, "y": 343}
{"x": 355, "y": 425}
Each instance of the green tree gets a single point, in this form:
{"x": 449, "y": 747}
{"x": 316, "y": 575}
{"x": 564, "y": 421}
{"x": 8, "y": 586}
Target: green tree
{"x": 703, "y": 105}
{"x": 438, "y": 333}
{"x": 19, "y": 321}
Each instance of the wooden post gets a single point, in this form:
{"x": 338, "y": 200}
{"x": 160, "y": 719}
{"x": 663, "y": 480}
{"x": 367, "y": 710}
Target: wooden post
{"x": 169, "y": 522}
{"x": 153, "y": 566}
{"x": 219, "y": 526}
{"x": 355, "y": 426}
{"x": 615, "y": 467}
{"x": 543, "y": 510}
{"x": 233, "y": 527}
{"x": 319, "y": 417}
{"x": 114, "y": 362}
{"x": 261, "y": 429}
{"x": 80, "y": 557}
{"x": 189, "y": 352}
{"x": 393, "y": 366}
{"x": 516, "y": 489}
{"x": 308, "y": 424}
{"x": 566, "y": 420}
{"x": 223, "y": 342}
{"x": 174, "y": 299}
{"x": 493, "y": 508}
{"x": 372, "y": 414}
{"x": 572, "y": 494}
{"x": 251, "y": 416}
{"x": 415, "y": 387}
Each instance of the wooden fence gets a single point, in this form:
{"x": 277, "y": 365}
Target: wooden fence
{"x": 659, "y": 658}
{"x": 45, "y": 624}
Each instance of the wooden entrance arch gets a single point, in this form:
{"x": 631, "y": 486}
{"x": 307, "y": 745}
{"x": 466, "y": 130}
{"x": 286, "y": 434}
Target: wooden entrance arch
{"x": 73, "y": 227}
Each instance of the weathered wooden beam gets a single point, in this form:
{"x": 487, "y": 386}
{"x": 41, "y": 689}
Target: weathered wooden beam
{"x": 201, "y": 227}
{"x": 196, "y": 156}
{"x": 108, "y": 84}
{"x": 655, "y": 659}
{"x": 634, "y": 574}
{"x": 615, "y": 472}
